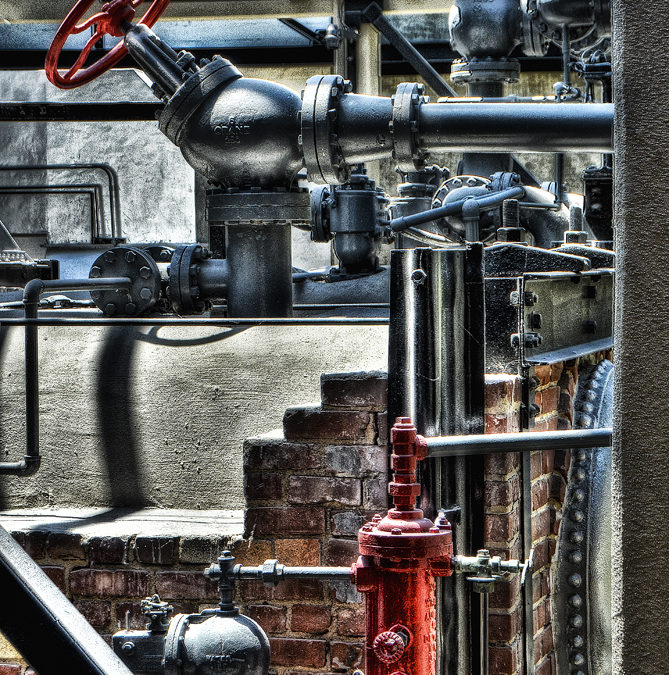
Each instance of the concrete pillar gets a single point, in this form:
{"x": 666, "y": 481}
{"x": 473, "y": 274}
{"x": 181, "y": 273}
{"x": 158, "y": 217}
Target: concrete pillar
{"x": 640, "y": 487}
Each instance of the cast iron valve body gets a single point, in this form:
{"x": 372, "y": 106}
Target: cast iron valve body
{"x": 400, "y": 556}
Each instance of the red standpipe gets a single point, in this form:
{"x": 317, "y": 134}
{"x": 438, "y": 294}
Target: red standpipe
{"x": 400, "y": 556}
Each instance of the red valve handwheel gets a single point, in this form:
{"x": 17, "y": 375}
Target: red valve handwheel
{"x": 107, "y": 22}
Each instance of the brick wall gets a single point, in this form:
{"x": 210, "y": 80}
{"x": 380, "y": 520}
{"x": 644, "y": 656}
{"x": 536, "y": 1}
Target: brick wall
{"x": 309, "y": 487}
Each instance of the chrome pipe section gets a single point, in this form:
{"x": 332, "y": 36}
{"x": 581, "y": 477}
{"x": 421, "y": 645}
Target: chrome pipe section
{"x": 485, "y": 444}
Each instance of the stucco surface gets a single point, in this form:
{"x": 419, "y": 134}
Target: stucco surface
{"x": 640, "y": 485}
{"x": 158, "y": 417}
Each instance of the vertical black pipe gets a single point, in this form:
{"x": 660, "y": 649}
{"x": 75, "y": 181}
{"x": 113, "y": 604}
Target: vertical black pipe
{"x": 260, "y": 282}
{"x": 436, "y": 349}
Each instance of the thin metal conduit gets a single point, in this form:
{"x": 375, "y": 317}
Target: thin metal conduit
{"x": 485, "y": 444}
{"x": 484, "y": 202}
{"x": 112, "y": 177}
{"x": 223, "y": 322}
{"x": 30, "y": 464}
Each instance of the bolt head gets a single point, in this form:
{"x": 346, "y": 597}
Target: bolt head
{"x": 128, "y": 647}
{"x": 130, "y": 308}
{"x": 396, "y": 530}
{"x": 110, "y": 309}
{"x": 144, "y": 272}
{"x": 95, "y": 272}
{"x": 110, "y": 256}
{"x": 418, "y": 277}
{"x": 145, "y": 293}
{"x": 130, "y": 256}
{"x": 367, "y": 527}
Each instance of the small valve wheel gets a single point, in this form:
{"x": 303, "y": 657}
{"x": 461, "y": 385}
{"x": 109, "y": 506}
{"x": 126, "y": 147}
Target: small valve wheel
{"x": 109, "y": 21}
{"x": 388, "y": 647}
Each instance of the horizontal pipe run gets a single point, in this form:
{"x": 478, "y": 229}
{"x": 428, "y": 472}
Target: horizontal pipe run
{"x": 486, "y": 444}
{"x": 520, "y": 127}
{"x": 295, "y": 573}
{"x": 224, "y": 323}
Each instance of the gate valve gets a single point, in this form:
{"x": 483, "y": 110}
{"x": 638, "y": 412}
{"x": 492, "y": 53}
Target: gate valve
{"x": 400, "y": 556}
{"x": 112, "y": 20}
{"x": 486, "y": 569}
{"x": 157, "y": 613}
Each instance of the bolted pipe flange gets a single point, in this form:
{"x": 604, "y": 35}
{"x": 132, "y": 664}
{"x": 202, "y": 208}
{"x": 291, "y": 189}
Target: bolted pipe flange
{"x": 139, "y": 266}
{"x": 404, "y": 127}
{"x": 466, "y": 71}
{"x": 183, "y": 289}
{"x": 323, "y": 155}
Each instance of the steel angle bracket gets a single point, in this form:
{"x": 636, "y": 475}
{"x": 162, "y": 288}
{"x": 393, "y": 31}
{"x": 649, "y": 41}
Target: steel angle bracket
{"x": 547, "y": 317}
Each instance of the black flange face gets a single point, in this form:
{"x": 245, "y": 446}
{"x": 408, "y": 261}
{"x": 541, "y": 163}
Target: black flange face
{"x": 184, "y": 293}
{"x": 140, "y": 267}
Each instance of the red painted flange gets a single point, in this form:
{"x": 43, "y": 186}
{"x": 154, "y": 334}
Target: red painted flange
{"x": 109, "y": 21}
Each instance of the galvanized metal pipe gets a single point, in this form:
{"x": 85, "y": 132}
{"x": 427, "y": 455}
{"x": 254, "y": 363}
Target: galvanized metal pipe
{"x": 485, "y": 444}
{"x": 293, "y": 573}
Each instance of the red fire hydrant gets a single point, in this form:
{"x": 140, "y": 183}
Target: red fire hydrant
{"x": 400, "y": 556}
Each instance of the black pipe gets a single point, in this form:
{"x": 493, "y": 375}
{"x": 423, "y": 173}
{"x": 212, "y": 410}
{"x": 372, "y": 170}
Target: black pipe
{"x": 222, "y": 322}
{"x": 485, "y": 444}
{"x": 43, "y": 625}
{"x": 523, "y": 127}
{"x": 30, "y": 464}
{"x": 112, "y": 177}
{"x": 453, "y": 208}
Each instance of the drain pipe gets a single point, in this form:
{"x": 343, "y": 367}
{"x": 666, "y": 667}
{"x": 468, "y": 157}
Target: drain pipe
{"x": 30, "y": 463}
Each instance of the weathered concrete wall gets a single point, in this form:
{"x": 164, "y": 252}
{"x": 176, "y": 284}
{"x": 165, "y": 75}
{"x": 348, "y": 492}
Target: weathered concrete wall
{"x": 158, "y": 417}
{"x": 640, "y": 460}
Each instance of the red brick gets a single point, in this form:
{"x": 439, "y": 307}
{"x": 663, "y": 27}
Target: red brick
{"x": 271, "y": 618}
{"x": 543, "y": 374}
{"x": 505, "y": 627}
{"x": 557, "y": 487}
{"x": 540, "y": 492}
{"x": 502, "y": 493}
{"x": 496, "y": 423}
{"x": 33, "y": 542}
{"x": 501, "y": 527}
{"x": 543, "y": 644}
{"x": 250, "y": 552}
{"x": 274, "y": 520}
{"x": 96, "y": 612}
{"x": 375, "y": 493}
{"x": 503, "y": 660}
{"x": 312, "y": 619}
{"x": 541, "y": 585}
{"x": 341, "y": 552}
{"x": 108, "y": 583}
{"x": 381, "y": 428}
{"x": 263, "y": 486}
{"x": 56, "y": 574}
{"x": 201, "y": 550}
{"x": 355, "y": 390}
{"x": 351, "y": 621}
{"x": 508, "y": 552}
{"x": 544, "y": 668}
{"x": 541, "y": 524}
{"x": 547, "y": 460}
{"x": 133, "y": 611}
{"x": 535, "y": 465}
{"x": 324, "y": 489}
{"x": 347, "y": 523}
{"x": 556, "y": 371}
{"x": 186, "y": 585}
{"x": 10, "y": 669}
{"x": 277, "y": 454}
{"x": 542, "y": 554}
{"x": 500, "y": 392}
{"x": 546, "y": 422}
{"x": 339, "y": 425}
{"x": 156, "y": 550}
{"x": 107, "y": 550}
{"x": 346, "y": 655}
{"x": 300, "y": 552}
{"x": 542, "y": 614}
{"x": 548, "y": 399}
{"x": 286, "y": 590}
{"x": 65, "y": 546}
{"x": 296, "y": 652}
{"x": 506, "y": 593}
{"x": 502, "y": 464}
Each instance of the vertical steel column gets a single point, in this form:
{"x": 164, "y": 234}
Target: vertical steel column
{"x": 640, "y": 462}
{"x": 436, "y": 376}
